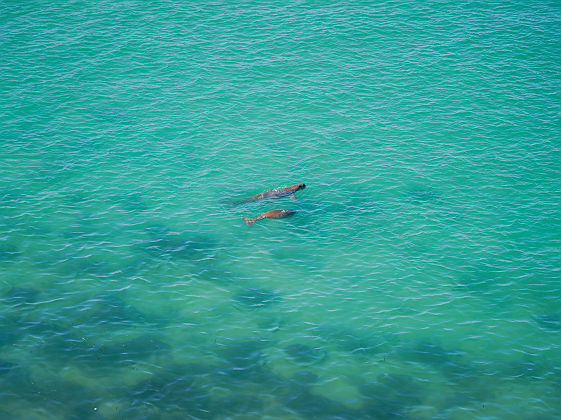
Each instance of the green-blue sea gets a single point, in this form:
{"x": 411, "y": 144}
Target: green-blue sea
{"x": 419, "y": 279}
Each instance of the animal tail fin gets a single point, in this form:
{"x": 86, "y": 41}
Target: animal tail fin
{"x": 248, "y": 220}
{"x": 228, "y": 203}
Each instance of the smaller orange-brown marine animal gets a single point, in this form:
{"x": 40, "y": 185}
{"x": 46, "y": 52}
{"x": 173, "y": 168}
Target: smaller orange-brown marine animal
{"x": 273, "y": 214}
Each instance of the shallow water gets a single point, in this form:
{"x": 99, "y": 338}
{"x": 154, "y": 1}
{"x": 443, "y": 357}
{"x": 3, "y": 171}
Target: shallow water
{"x": 420, "y": 278}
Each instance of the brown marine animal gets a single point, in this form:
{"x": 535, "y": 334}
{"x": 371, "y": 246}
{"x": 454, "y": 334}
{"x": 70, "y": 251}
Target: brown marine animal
{"x": 276, "y": 193}
{"x": 273, "y": 214}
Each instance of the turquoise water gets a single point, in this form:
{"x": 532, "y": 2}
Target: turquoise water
{"x": 420, "y": 278}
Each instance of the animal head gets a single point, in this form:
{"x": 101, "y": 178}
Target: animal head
{"x": 301, "y": 187}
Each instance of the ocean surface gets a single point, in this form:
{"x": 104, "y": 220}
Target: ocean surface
{"x": 419, "y": 279}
